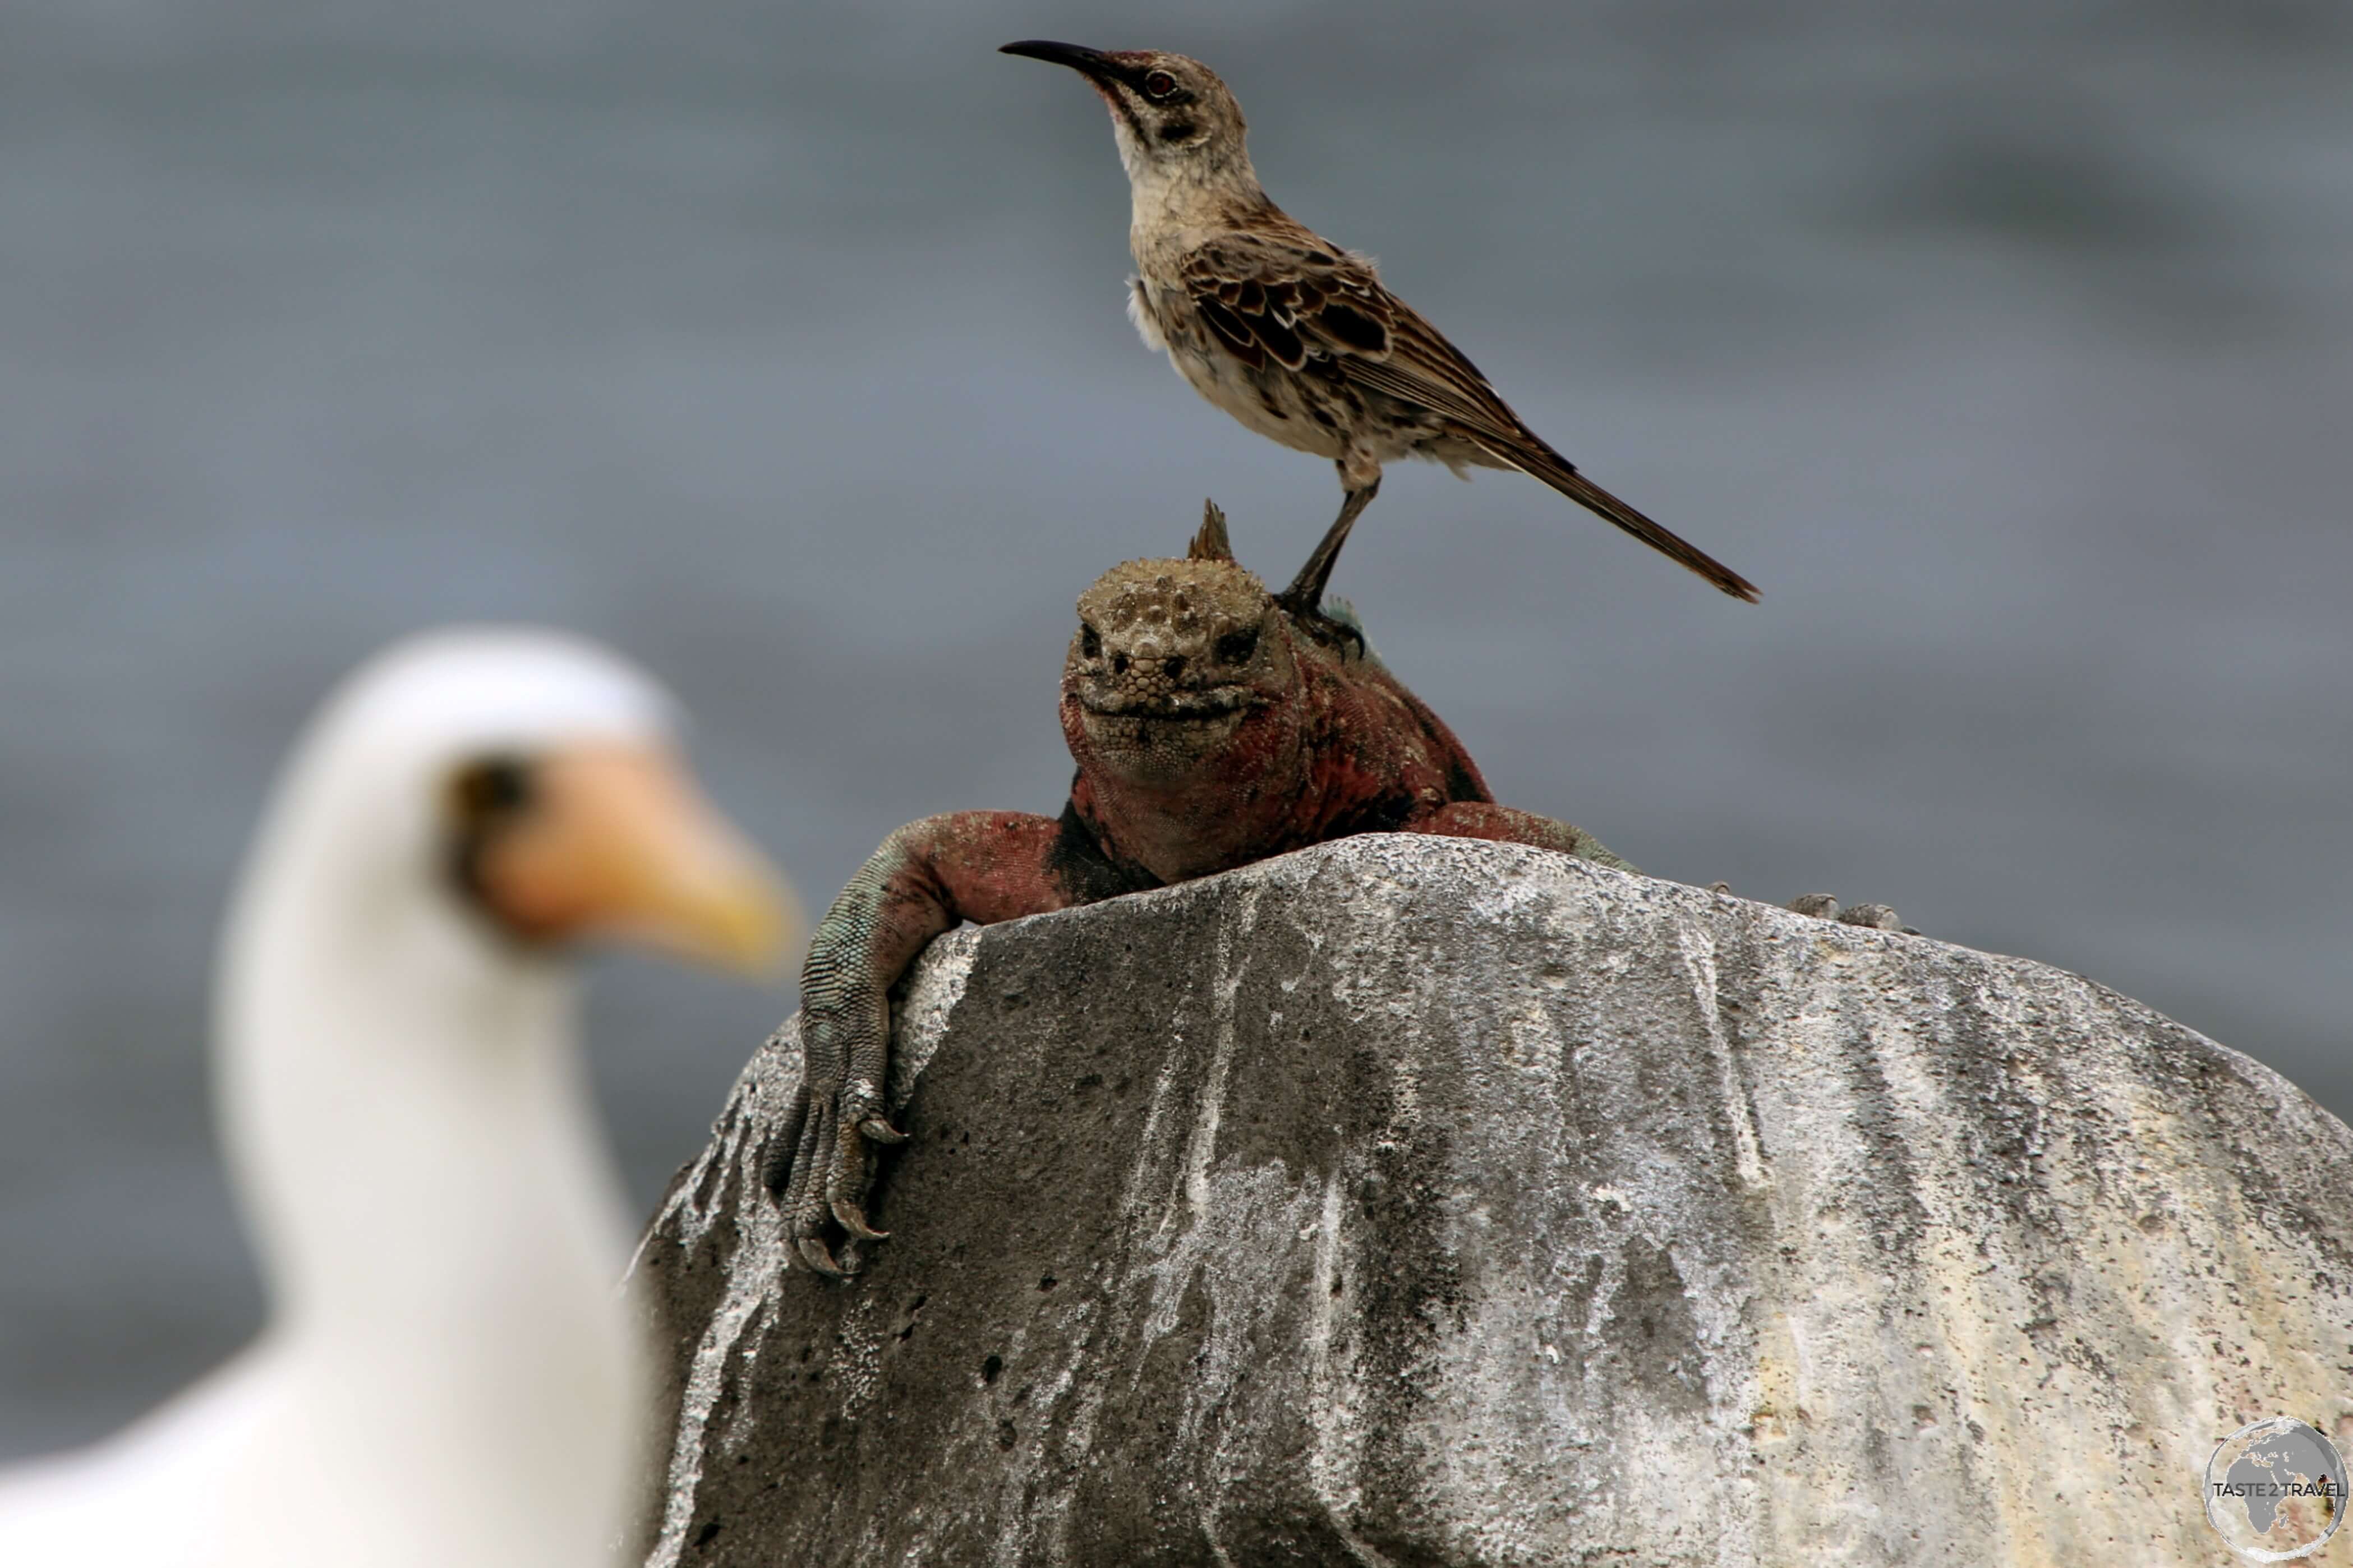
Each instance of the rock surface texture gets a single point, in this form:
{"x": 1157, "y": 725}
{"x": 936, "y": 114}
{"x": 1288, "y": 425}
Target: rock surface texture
{"x": 1418, "y": 1201}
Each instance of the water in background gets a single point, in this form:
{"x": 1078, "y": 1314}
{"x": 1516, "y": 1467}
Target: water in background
{"x": 782, "y": 345}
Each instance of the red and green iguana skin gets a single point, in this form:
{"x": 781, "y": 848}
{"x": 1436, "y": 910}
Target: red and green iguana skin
{"x": 1211, "y": 728}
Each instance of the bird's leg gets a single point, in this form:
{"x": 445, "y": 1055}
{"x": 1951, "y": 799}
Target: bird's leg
{"x": 1305, "y": 598}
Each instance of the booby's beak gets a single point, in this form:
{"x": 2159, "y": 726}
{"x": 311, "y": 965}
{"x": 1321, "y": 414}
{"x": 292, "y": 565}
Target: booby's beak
{"x": 1093, "y": 63}
{"x": 618, "y": 842}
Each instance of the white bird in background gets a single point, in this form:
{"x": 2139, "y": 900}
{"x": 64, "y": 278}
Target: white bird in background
{"x": 451, "y": 1376}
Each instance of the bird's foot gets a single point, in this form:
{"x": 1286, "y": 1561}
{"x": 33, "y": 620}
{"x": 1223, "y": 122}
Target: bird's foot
{"x": 1341, "y": 634}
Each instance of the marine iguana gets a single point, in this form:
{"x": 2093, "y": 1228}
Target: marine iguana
{"x": 1211, "y": 727}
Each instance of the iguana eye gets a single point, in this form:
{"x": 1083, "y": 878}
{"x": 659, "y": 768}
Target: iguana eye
{"x": 1159, "y": 84}
{"x": 1089, "y": 642}
{"x": 1236, "y": 648}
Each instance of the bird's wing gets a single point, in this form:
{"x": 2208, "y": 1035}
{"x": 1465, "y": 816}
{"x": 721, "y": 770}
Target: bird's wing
{"x": 1274, "y": 299}
{"x": 1277, "y": 299}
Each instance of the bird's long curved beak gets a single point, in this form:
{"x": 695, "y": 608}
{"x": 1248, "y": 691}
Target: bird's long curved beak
{"x": 1088, "y": 62}
{"x": 621, "y": 844}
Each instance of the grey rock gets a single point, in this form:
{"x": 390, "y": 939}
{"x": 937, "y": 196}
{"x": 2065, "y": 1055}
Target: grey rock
{"x": 1412, "y": 1200}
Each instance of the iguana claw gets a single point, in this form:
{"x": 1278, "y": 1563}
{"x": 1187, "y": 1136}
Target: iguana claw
{"x": 882, "y": 1132}
{"x": 1871, "y": 917}
{"x": 853, "y": 1220}
{"x": 813, "y": 1253}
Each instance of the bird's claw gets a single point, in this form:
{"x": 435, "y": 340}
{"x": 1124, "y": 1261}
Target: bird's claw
{"x": 881, "y": 1131}
{"x": 1339, "y": 636}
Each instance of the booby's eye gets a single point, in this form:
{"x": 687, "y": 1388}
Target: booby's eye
{"x": 491, "y": 786}
{"x": 485, "y": 799}
{"x": 1236, "y": 648}
{"x": 1159, "y": 84}
{"x": 1089, "y": 642}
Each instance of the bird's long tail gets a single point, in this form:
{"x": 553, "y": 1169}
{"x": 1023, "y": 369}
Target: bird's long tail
{"x": 1540, "y": 461}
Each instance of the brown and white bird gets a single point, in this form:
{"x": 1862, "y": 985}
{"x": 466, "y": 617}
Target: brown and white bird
{"x": 1290, "y": 334}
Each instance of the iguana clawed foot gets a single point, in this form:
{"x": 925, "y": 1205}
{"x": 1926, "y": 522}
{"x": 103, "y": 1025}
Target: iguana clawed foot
{"x": 823, "y": 1166}
{"x": 1822, "y": 906}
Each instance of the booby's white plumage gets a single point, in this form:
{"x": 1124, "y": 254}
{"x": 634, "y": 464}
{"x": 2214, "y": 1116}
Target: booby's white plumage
{"x": 451, "y": 1377}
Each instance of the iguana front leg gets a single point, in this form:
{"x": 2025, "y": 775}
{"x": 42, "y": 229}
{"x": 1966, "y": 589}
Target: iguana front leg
{"x": 977, "y": 866}
{"x": 1481, "y": 819}
{"x": 1485, "y": 819}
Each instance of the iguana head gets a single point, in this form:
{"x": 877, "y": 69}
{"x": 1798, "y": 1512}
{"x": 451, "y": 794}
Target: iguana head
{"x": 1182, "y": 672}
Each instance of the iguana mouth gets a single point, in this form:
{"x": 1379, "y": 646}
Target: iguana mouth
{"x": 1194, "y": 707}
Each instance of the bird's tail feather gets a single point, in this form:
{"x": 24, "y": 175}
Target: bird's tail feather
{"x": 1539, "y": 461}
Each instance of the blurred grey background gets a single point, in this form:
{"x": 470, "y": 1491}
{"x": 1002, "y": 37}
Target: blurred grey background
{"x": 2005, "y": 346}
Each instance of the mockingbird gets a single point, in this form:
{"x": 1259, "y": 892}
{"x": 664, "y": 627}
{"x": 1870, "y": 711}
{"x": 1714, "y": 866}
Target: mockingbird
{"x": 1287, "y": 332}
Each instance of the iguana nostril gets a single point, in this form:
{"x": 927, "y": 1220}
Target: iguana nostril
{"x": 1119, "y": 664}
{"x": 1173, "y": 666}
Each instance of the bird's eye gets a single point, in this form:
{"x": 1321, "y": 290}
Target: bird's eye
{"x": 484, "y": 799}
{"x": 491, "y": 786}
{"x": 1159, "y": 84}
{"x": 1236, "y": 648}
{"x": 1089, "y": 642}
